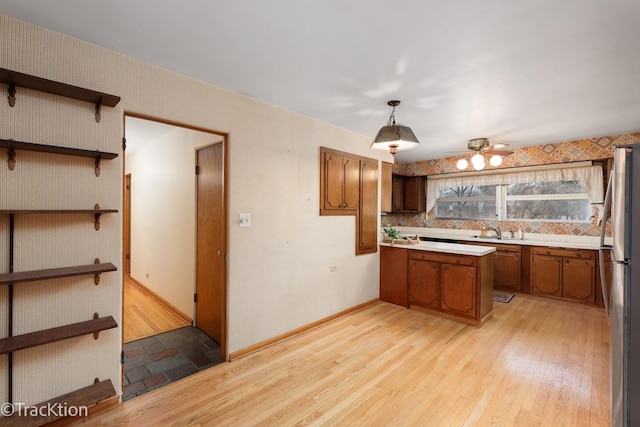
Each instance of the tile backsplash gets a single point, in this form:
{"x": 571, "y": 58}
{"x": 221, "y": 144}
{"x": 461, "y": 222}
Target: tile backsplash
{"x": 571, "y": 151}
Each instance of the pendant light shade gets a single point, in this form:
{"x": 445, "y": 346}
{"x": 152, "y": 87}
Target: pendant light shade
{"x": 393, "y": 137}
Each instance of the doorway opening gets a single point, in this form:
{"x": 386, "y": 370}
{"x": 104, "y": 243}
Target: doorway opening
{"x": 174, "y": 252}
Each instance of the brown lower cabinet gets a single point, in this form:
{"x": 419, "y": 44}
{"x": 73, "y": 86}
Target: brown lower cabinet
{"x": 564, "y": 273}
{"x": 507, "y": 265}
{"x": 458, "y": 285}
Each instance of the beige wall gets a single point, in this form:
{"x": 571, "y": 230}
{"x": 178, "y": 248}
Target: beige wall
{"x": 163, "y": 214}
{"x": 278, "y": 269}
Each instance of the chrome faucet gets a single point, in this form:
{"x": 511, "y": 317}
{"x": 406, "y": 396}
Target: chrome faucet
{"x": 497, "y": 230}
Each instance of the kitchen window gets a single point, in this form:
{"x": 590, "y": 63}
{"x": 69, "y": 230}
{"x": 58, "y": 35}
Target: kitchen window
{"x": 542, "y": 195}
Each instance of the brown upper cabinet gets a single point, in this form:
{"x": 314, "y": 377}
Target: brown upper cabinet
{"x": 386, "y": 187}
{"x": 339, "y": 182}
{"x": 349, "y": 186}
{"x": 367, "y": 216}
{"x": 408, "y": 194}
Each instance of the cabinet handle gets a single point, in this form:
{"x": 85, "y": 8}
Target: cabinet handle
{"x": 558, "y": 260}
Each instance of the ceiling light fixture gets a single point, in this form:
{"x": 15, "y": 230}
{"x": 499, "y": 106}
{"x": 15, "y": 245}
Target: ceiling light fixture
{"x": 394, "y": 137}
{"x": 481, "y": 146}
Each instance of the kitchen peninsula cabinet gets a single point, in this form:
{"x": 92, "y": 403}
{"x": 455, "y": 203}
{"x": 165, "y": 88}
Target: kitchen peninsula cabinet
{"x": 349, "y": 186}
{"x": 564, "y": 273}
{"x": 452, "y": 280}
{"x": 393, "y": 275}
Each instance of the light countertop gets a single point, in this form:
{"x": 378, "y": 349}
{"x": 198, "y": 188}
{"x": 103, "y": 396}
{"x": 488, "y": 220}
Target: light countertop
{"x": 530, "y": 239}
{"x": 449, "y": 248}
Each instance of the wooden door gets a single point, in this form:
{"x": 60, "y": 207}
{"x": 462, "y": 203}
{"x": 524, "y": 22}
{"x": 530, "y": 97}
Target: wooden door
{"x": 211, "y": 244}
{"x": 127, "y": 224}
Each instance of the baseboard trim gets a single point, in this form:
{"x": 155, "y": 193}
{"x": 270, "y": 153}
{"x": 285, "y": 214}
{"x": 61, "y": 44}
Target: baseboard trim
{"x": 266, "y": 343}
{"x": 162, "y": 301}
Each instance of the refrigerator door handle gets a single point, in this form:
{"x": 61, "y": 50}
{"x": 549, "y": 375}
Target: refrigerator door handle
{"x": 603, "y": 227}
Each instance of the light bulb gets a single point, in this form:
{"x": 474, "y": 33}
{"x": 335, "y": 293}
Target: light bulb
{"x": 477, "y": 161}
{"x": 462, "y": 164}
{"x": 495, "y": 160}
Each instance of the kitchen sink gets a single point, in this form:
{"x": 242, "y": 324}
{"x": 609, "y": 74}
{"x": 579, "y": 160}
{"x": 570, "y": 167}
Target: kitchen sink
{"x": 494, "y": 238}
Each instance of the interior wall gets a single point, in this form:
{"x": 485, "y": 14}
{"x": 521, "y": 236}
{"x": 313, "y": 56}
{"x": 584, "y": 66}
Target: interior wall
{"x": 278, "y": 269}
{"x": 163, "y": 214}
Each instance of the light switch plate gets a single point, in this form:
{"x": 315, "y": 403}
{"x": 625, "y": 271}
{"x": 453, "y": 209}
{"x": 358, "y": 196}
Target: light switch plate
{"x": 244, "y": 220}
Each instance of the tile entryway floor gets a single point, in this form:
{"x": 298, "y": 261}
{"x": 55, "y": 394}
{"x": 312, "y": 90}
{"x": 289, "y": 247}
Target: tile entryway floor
{"x": 152, "y": 362}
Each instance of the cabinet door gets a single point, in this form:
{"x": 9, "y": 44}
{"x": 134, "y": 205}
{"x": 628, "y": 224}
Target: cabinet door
{"x": 546, "y": 275}
{"x": 414, "y": 194}
{"x": 333, "y": 181}
{"x": 459, "y": 289}
{"x": 386, "y": 187}
{"x": 351, "y": 191}
{"x": 341, "y": 182}
{"x": 424, "y": 283}
{"x": 397, "y": 193}
{"x": 393, "y": 275}
{"x": 506, "y": 270}
{"x": 367, "y": 216}
{"x": 578, "y": 279}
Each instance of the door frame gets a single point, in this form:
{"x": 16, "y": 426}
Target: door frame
{"x": 225, "y": 215}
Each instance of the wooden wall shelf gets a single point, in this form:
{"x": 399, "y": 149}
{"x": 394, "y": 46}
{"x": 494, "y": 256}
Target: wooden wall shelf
{"x": 14, "y": 79}
{"x": 97, "y": 213}
{"x": 46, "y": 336}
{"x": 54, "y": 273}
{"x": 86, "y": 396}
{"x": 12, "y": 145}
{"x": 56, "y": 211}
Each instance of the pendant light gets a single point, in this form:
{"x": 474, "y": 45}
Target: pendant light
{"x": 394, "y": 137}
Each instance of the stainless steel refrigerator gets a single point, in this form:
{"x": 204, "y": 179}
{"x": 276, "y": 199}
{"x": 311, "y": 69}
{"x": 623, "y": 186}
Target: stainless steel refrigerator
{"x": 624, "y": 305}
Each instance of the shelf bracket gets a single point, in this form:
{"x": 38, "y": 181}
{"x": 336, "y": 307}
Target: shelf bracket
{"x": 96, "y": 277}
{"x": 12, "y": 94}
{"x": 96, "y": 334}
{"x": 11, "y": 158}
{"x": 96, "y": 217}
{"x": 98, "y": 108}
{"x": 98, "y": 158}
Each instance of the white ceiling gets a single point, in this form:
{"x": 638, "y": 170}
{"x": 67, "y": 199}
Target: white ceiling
{"x": 520, "y": 72}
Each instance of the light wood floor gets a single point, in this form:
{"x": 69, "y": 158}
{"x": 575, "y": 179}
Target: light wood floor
{"x": 144, "y": 316}
{"x": 536, "y": 363}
